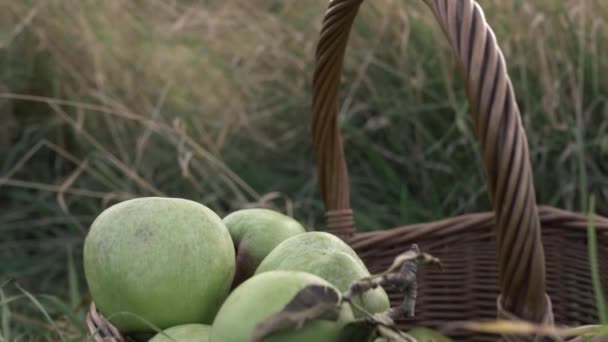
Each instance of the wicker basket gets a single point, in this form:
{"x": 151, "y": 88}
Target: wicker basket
{"x": 496, "y": 264}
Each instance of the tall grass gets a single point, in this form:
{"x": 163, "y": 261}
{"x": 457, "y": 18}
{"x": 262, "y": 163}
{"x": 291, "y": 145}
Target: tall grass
{"x": 102, "y": 101}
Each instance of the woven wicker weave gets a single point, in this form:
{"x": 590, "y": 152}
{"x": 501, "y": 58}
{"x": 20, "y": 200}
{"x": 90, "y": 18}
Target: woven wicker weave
{"x": 521, "y": 261}
{"x": 497, "y": 264}
{"x": 100, "y": 330}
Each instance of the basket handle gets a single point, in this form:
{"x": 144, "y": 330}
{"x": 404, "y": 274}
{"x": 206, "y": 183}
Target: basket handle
{"x": 504, "y": 147}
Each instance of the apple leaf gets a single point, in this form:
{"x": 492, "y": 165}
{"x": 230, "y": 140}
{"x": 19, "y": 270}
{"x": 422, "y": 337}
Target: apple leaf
{"x": 411, "y": 255}
{"x": 310, "y": 303}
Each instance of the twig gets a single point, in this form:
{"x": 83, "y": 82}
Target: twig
{"x": 404, "y": 281}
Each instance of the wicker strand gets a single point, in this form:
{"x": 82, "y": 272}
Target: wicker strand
{"x": 333, "y": 173}
{"x": 505, "y": 154}
{"x": 341, "y": 223}
{"x": 100, "y": 330}
{"x": 505, "y": 314}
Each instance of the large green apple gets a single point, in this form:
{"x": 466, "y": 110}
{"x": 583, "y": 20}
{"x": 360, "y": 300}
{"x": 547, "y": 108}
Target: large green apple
{"x": 255, "y": 232}
{"x": 330, "y": 258}
{"x": 167, "y": 261}
{"x": 260, "y": 297}
{"x": 184, "y": 333}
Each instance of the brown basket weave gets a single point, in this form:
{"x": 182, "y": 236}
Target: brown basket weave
{"x": 496, "y": 264}
{"x": 100, "y": 330}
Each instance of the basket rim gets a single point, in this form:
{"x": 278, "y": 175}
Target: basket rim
{"x": 478, "y": 221}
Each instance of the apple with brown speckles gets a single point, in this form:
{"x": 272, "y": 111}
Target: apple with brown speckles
{"x": 167, "y": 261}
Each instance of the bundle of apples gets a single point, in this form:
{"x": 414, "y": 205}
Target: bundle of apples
{"x": 168, "y": 263}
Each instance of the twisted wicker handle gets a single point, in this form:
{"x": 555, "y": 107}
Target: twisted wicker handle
{"x": 498, "y": 126}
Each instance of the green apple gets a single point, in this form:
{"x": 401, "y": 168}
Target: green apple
{"x": 260, "y": 297}
{"x": 255, "y": 232}
{"x": 166, "y": 261}
{"x": 184, "y": 333}
{"x": 330, "y": 258}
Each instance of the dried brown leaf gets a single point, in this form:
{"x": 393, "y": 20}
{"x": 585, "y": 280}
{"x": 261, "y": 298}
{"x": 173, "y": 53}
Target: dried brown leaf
{"x": 312, "y": 302}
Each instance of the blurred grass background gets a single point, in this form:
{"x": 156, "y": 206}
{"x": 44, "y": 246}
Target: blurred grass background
{"x": 102, "y": 101}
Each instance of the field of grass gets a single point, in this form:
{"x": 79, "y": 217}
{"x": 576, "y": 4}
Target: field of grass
{"x": 102, "y": 101}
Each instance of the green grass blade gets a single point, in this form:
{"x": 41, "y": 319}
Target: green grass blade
{"x": 583, "y": 183}
{"x": 73, "y": 288}
{"x": 7, "y": 300}
{"x": 64, "y": 309}
{"x": 43, "y": 311}
{"x": 5, "y": 331}
{"x": 593, "y": 258}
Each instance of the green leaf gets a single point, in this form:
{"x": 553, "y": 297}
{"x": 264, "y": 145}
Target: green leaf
{"x": 73, "y": 288}
{"x": 5, "y": 329}
{"x": 593, "y": 259}
{"x": 60, "y": 306}
{"x": 43, "y": 311}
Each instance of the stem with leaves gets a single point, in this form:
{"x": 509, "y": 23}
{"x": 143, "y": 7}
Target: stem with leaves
{"x": 401, "y": 276}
